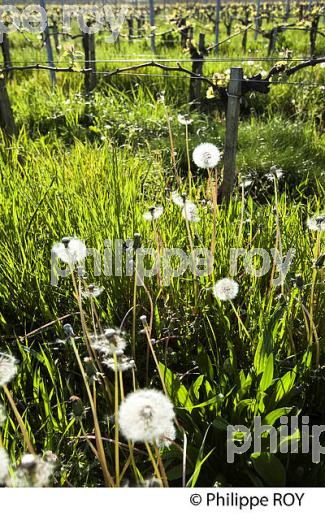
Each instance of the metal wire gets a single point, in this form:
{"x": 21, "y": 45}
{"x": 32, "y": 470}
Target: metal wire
{"x": 296, "y": 83}
{"x": 145, "y": 59}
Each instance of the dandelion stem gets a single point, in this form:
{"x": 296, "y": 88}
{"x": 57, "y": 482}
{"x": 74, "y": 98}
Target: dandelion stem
{"x": 99, "y": 443}
{"x": 91, "y": 446}
{"x": 240, "y": 321}
{"x": 134, "y": 308}
{"x": 242, "y": 212}
{"x": 215, "y": 213}
{"x": 19, "y": 420}
{"x": 116, "y": 407}
{"x": 153, "y": 462}
{"x": 155, "y": 358}
{"x": 161, "y": 467}
{"x": 312, "y": 299}
{"x": 189, "y": 173}
{"x": 172, "y": 148}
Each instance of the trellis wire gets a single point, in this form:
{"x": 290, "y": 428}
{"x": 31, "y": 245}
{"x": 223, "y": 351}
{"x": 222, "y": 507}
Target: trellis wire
{"x": 170, "y": 76}
{"x": 176, "y": 60}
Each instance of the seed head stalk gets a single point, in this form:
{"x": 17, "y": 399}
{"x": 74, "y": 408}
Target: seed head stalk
{"x": 19, "y": 420}
{"x": 214, "y": 196}
{"x": 278, "y": 241}
{"x": 116, "y": 418}
{"x": 99, "y": 443}
{"x": 189, "y": 172}
{"x": 240, "y": 321}
{"x": 172, "y": 147}
{"x": 313, "y": 300}
{"x": 153, "y": 462}
{"x": 148, "y": 336}
{"x": 134, "y": 308}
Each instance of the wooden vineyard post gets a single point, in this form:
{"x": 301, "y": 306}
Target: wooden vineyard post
{"x": 197, "y": 55}
{"x": 6, "y": 52}
{"x": 7, "y": 122}
{"x": 49, "y": 51}
{"x": 56, "y": 35}
{"x": 152, "y": 24}
{"x": 257, "y": 19}
{"x": 217, "y": 28}
{"x": 232, "y": 119}
{"x": 130, "y": 27}
{"x": 92, "y": 55}
{"x": 88, "y": 43}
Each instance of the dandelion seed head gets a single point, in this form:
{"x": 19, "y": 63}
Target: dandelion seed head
{"x": 206, "y": 155}
{"x": 168, "y": 437}
{"x": 190, "y": 212}
{"x": 32, "y": 472}
{"x": 226, "y": 289}
{"x": 28, "y": 461}
{"x": 178, "y": 199}
{"x": 275, "y": 172}
{"x": 143, "y": 320}
{"x": 152, "y": 483}
{"x": 111, "y": 342}
{"x": 184, "y": 119}
{"x": 246, "y": 182}
{"x": 68, "y": 330}
{"x": 4, "y": 464}
{"x": 70, "y": 250}
{"x": 8, "y": 368}
{"x": 92, "y": 291}
{"x": 122, "y": 364}
{"x": 3, "y": 415}
{"x": 145, "y": 416}
{"x": 154, "y": 213}
{"x": 316, "y": 223}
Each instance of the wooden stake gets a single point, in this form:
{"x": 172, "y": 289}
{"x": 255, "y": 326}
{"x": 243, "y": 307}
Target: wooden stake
{"x": 152, "y": 24}
{"x": 49, "y": 51}
{"x": 233, "y": 109}
{"x": 7, "y": 121}
{"x": 218, "y": 9}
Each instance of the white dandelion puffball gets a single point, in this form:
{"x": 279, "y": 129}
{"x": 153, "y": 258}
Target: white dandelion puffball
{"x": 109, "y": 343}
{"x": 33, "y": 471}
{"x": 70, "y": 251}
{"x": 206, "y": 155}
{"x": 275, "y": 172}
{"x": 184, "y": 119}
{"x": 146, "y": 416}
{"x": 190, "y": 212}
{"x": 122, "y": 364}
{"x": 4, "y": 464}
{"x": 8, "y": 368}
{"x": 226, "y": 289}
{"x": 92, "y": 291}
{"x": 3, "y": 415}
{"x": 316, "y": 223}
{"x": 168, "y": 436}
{"x": 178, "y": 199}
{"x": 154, "y": 213}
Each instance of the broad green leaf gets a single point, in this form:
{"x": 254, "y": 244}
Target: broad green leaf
{"x": 269, "y": 468}
{"x": 273, "y": 416}
{"x": 176, "y": 390}
{"x": 220, "y": 424}
{"x": 267, "y": 377}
